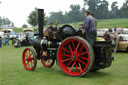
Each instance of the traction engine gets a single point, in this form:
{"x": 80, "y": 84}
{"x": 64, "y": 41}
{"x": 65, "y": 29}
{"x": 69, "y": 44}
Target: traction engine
{"x": 69, "y": 48}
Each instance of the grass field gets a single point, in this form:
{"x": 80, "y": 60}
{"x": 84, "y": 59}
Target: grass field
{"x": 108, "y": 23}
{"x": 12, "y": 72}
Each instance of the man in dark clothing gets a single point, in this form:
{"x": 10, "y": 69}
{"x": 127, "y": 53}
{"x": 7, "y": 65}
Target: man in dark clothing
{"x": 106, "y": 36}
{"x": 89, "y": 28}
{"x": 0, "y": 42}
{"x": 51, "y": 28}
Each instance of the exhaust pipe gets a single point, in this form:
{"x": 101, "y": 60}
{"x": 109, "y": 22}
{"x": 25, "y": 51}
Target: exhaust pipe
{"x": 40, "y": 22}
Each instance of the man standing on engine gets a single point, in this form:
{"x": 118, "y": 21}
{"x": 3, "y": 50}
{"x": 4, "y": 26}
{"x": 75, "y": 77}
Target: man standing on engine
{"x": 89, "y": 28}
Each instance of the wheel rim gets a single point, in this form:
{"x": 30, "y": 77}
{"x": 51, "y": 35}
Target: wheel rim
{"x": 28, "y": 59}
{"x": 73, "y": 57}
{"x": 47, "y": 63}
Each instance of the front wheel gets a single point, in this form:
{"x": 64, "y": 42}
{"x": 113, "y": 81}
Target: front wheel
{"x": 75, "y": 56}
{"x": 29, "y": 59}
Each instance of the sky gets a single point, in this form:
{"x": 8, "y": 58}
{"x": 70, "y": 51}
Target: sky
{"x": 18, "y": 10}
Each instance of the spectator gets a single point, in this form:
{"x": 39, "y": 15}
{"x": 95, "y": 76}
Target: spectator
{"x": 8, "y": 38}
{"x": 5, "y": 39}
{"x": 121, "y": 31}
{"x": 106, "y": 36}
{"x": 115, "y": 29}
{"x": 0, "y": 42}
{"x": 110, "y": 30}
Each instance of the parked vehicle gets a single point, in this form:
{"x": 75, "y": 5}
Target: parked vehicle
{"x": 12, "y": 35}
{"x": 100, "y": 32}
{"x": 125, "y": 30}
{"x": 27, "y": 38}
{"x": 123, "y": 42}
{"x": 7, "y": 30}
{"x": 2, "y": 34}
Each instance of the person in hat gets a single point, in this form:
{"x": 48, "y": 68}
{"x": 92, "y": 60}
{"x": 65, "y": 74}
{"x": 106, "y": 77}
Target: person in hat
{"x": 89, "y": 27}
{"x": 51, "y": 28}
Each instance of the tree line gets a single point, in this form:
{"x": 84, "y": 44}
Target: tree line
{"x": 100, "y": 9}
{"x": 5, "y": 22}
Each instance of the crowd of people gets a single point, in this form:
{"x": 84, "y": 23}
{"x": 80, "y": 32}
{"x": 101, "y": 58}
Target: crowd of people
{"x": 113, "y": 33}
{"x": 5, "y": 39}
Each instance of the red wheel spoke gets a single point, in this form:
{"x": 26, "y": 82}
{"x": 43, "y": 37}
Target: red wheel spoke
{"x": 82, "y": 62}
{"x": 30, "y": 54}
{"x": 26, "y": 55}
{"x": 74, "y": 56}
{"x": 71, "y": 67}
{"x": 73, "y": 45}
{"x": 67, "y": 50}
{"x": 77, "y": 46}
{"x": 69, "y": 64}
{"x": 47, "y": 63}
{"x": 80, "y": 67}
{"x": 27, "y": 63}
{"x": 70, "y": 48}
{"x": 31, "y": 58}
{"x": 76, "y": 67}
{"x": 83, "y": 58}
{"x": 82, "y": 53}
{"x": 31, "y": 63}
{"x": 66, "y": 60}
{"x": 66, "y": 55}
{"x": 81, "y": 49}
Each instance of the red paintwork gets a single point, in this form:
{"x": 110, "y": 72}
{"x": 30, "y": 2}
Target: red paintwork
{"x": 73, "y": 57}
{"x": 46, "y": 63}
{"x": 28, "y": 59}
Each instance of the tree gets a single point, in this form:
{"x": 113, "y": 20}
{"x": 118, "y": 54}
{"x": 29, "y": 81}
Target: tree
{"x": 0, "y": 21}
{"x": 33, "y": 18}
{"x": 125, "y": 8}
{"x": 75, "y": 14}
{"x": 114, "y": 10}
{"x": 24, "y": 26}
{"x": 12, "y": 24}
{"x": 102, "y": 10}
{"x": 92, "y": 5}
{"x": 5, "y": 21}
{"x": 56, "y": 16}
{"x": 98, "y": 7}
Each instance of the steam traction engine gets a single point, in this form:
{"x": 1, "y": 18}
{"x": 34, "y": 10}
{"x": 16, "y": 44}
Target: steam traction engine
{"x": 71, "y": 51}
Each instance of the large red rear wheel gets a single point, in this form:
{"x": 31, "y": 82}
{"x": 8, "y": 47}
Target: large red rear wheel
{"x": 29, "y": 59}
{"x": 46, "y": 62}
{"x": 75, "y": 56}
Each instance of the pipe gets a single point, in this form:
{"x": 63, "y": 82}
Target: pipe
{"x": 40, "y": 22}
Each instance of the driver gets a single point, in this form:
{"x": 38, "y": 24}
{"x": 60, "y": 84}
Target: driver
{"x": 89, "y": 27}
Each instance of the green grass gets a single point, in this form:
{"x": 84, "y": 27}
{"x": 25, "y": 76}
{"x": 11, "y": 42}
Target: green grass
{"x": 12, "y": 72}
{"x": 108, "y": 23}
